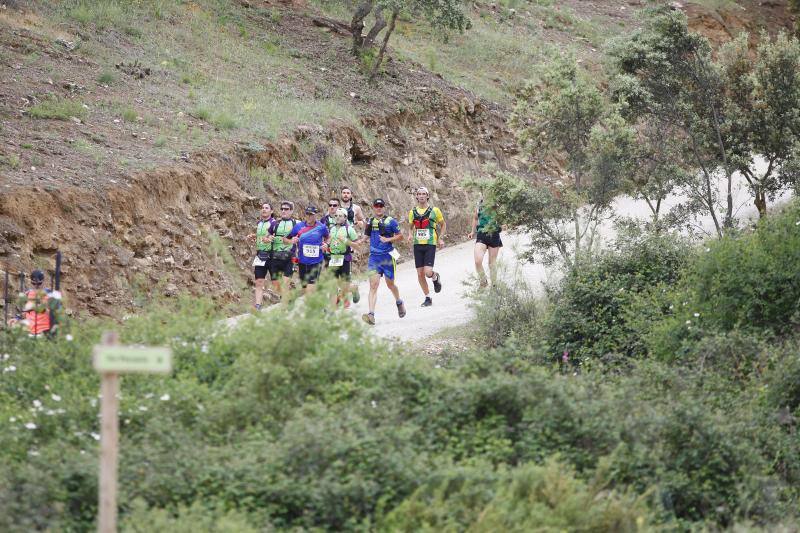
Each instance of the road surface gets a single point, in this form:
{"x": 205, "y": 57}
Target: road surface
{"x": 451, "y": 307}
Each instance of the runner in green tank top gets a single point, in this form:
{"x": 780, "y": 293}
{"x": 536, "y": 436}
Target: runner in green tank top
{"x": 485, "y": 225}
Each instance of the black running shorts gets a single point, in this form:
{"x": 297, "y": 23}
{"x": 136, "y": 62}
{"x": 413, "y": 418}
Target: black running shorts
{"x": 261, "y": 271}
{"x": 424, "y": 255}
{"x": 280, "y": 267}
{"x": 342, "y": 271}
{"x": 309, "y": 274}
{"x": 491, "y": 240}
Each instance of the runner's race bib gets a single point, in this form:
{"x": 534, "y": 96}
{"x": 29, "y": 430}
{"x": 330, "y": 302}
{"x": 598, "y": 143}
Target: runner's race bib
{"x": 336, "y": 260}
{"x": 311, "y": 250}
{"x": 258, "y": 262}
{"x": 423, "y": 234}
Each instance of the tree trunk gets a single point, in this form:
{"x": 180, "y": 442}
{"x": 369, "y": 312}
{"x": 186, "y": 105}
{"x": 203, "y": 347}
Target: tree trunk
{"x": 380, "y": 23}
{"x": 379, "y": 59}
{"x": 357, "y": 24}
{"x": 761, "y": 203}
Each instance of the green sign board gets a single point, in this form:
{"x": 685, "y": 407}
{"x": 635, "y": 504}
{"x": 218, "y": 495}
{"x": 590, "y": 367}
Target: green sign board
{"x": 122, "y": 359}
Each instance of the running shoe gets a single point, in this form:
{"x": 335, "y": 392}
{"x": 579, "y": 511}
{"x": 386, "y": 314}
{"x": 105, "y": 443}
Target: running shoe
{"x": 356, "y": 295}
{"x": 428, "y": 302}
{"x": 401, "y": 309}
{"x": 369, "y": 318}
{"x": 437, "y": 285}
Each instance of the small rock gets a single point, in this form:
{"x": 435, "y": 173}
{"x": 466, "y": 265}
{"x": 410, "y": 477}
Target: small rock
{"x": 171, "y": 290}
{"x": 76, "y": 120}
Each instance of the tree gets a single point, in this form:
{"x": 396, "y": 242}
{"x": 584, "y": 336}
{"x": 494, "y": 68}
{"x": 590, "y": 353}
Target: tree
{"x": 563, "y": 118}
{"x": 763, "y": 90}
{"x": 667, "y": 75}
{"x": 443, "y": 15}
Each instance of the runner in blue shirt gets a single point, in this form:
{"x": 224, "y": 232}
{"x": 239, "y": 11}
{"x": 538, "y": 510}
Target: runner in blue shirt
{"x": 309, "y": 236}
{"x": 383, "y": 231}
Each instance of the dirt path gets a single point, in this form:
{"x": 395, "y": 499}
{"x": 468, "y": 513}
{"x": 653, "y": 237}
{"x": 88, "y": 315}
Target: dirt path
{"x": 451, "y": 307}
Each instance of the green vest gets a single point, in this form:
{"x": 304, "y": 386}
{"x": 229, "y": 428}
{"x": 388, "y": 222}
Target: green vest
{"x": 261, "y": 232}
{"x": 282, "y": 229}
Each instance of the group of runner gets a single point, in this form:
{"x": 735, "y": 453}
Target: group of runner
{"x": 330, "y": 241}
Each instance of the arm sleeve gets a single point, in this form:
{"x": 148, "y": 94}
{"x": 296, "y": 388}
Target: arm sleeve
{"x": 294, "y": 231}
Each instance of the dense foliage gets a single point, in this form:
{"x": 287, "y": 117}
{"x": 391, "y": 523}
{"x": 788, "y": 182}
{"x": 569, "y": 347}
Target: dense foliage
{"x": 301, "y": 419}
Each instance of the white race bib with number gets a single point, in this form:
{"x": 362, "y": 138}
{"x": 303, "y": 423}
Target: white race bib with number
{"x": 394, "y": 254}
{"x": 336, "y": 260}
{"x": 258, "y": 262}
{"x": 311, "y": 250}
{"x": 423, "y": 234}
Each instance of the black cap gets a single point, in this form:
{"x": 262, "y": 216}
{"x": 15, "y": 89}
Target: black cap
{"x": 379, "y": 202}
{"x": 37, "y": 276}
{"x": 311, "y": 210}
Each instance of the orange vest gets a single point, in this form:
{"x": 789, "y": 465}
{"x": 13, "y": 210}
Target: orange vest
{"x": 38, "y": 323}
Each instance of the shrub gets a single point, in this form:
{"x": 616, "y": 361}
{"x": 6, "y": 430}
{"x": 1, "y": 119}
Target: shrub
{"x": 526, "y": 498}
{"x": 58, "y": 108}
{"x": 129, "y": 114}
{"x": 749, "y": 283}
{"x": 192, "y": 519}
{"x": 590, "y": 315}
{"x": 507, "y": 313}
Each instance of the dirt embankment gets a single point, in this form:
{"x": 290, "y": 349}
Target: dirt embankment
{"x": 182, "y": 226}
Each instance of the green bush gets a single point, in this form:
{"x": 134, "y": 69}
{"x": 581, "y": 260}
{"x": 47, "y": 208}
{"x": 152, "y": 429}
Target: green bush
{"x": 590, "y": 316}
{"x": 192, "y": 519}
{"x": 749, "y": 283}
{"x": 58, "y": 108}
{"x": 526, "y": 498}
{"x": 507, "y": 314}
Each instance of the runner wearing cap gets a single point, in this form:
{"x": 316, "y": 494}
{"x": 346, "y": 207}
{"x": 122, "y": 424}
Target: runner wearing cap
{"x": 383, "y": 231}
{"x": 309, "y": 237}
{"x": 426, "y": 231}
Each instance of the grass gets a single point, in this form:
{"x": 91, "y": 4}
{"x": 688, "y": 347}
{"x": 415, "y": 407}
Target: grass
{"x": 11, "y": 161}
{"x": 107, "y": 77}
{"x": 129, "y": 114}
{"x": 219, "y": 249}
{"x": 335, "y": 168}
{"x": 58, "y": 108}
{"x": 499, "y": 52}
{"x": 264, "y": 179}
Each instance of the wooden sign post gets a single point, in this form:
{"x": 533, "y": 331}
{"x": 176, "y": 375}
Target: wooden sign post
{"x": 110, "y": 360}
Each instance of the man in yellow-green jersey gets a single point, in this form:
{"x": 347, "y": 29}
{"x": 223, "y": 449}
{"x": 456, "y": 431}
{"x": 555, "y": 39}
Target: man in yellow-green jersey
{"x": 426, "y": 231}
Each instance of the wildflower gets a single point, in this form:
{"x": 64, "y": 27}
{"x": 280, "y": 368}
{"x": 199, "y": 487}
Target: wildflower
{"x": 30, "y": 425}
{"x": 5, "y": 357}
{"x": 688, "y": 322}
{"x": 33, "y": 453}
{"x": 149, "y": 395}
{"x": 165, "y": 398}
{"x": 374, "y": 404}
{"x": 696, "y": 315}
{"x": 204, "y": 348}
{"x": 671, "y": 307}
{"x": 55, "y": 397}
{"x": 69, "y": 337}
{"x": 142, "y": 408}
{"x": 95, "y": 436}
{"x": 37, "y": 404}
{"x": 11, "y": 368}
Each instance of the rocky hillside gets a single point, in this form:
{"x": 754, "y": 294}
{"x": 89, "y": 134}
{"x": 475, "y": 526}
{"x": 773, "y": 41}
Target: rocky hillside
{"x": 140, "y": 138}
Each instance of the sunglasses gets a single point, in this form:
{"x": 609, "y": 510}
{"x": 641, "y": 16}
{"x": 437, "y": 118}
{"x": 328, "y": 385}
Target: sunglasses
{"x": 378, "y": 205}
{"x": 286, "y": 208}
{"x": 333, "y": 205}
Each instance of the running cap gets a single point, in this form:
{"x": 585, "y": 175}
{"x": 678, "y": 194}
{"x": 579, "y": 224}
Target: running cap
{"x": 423, "y": 189}
{"x": 37, "y": 276}
{"x": 378, "y": 203}
{"x": 311, "y": 210}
